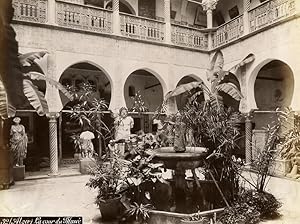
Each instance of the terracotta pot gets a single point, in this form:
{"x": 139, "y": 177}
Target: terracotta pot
{"x": 110, "y": 209}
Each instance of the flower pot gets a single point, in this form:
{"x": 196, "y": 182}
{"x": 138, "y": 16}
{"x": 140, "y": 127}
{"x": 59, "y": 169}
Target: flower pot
{"x": 110, "y": 209}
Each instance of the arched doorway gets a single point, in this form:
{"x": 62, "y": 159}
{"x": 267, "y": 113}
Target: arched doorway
{"x": 144, "y": 85}
{"x": 273, "y": 90}
{"x": 123, "y": 7}
{"x": 182, "y": 99}
{"x": 75, "y": 76}
{"x": 274, "y": 86}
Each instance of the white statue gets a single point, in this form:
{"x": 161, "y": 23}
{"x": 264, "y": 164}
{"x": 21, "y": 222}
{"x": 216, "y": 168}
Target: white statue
{"x": 87, "y": 147}
{"x": 18, "y": 141}
{"x": 123, "y": 124}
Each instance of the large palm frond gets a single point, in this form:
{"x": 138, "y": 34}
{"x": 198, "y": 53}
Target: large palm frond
{"x": 6, "y": 110}
{"x": 183, "y": 88}
{"x": 52, "y": 82}
{"x": 231, "y": 90}
{"x": 216, "y": 101}
{"x": 250, "y": 58}
{"x": 29, "y": 58}
{"x": 35, "y": 97}
{"x": 217, "y": 62}
{"x": 216, "y": 66}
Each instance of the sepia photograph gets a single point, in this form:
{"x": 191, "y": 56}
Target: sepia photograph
{"x": 149, "y": 112}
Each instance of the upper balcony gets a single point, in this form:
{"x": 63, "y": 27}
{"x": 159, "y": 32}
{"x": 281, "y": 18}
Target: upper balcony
{"x": 181, "y": 23}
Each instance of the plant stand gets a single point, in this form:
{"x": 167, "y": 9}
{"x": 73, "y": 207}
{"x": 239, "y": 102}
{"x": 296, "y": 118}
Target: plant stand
{"x": 281, "y": 167}
{"x": 19, "y": 172}
{"x": 85, "y": 164}
{"x": 77, "y": 156}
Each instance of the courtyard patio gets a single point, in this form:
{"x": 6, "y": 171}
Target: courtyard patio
{"x": 68, "y": 196}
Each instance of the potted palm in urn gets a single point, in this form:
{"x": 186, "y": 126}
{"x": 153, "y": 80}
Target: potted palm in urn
{"x": 108, "y": 179}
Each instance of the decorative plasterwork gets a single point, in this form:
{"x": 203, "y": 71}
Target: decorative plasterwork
{"x": 209, "y": 4}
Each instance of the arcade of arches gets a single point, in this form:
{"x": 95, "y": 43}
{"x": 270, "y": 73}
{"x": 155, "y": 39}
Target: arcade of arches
{"x": 273, "y": 88}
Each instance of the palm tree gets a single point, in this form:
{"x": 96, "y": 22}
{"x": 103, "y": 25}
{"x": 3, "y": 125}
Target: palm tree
{"x": 215, "y": 74}
{"x": 35, "y": 97}
{"x": 213, "y": 125}
{"x": 15, "y": 83}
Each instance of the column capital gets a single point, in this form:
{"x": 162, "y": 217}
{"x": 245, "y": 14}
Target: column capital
{"x": 52, "y": 116}
{"x": 209, "y": 4}
{"x": 249, "y": 116}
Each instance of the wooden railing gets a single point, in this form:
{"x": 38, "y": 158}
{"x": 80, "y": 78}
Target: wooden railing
{"x": 83, "y": 17}
{"x": 270, "y": 12}
{"x": 229, "y": 31}
{"x": 189, "y": 37}
{"x": 30, "y": 10}
{"x": 141, "y": 28}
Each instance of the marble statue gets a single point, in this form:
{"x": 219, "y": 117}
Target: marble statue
{"x": 87, "y": 147}
{"x": 18, "y": 142}
{"x": 123, "y": 125}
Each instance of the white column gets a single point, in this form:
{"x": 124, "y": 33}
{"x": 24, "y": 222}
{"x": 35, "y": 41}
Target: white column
{"x": 116, "y": 17}
{"x": 209, "y": 15}
{"x": 51, "y": 12}
{"x": 53, "y": 143}
{"x": 184, "y": 4}
{"x": 248, "y": 138}
{"x": 246, "y": 16}
{"x": 117, "y": 93}
{"x": 167, "y": 9}
{"x": 209, "y": 6}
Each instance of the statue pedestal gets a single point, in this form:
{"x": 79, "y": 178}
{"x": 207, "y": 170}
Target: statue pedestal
{"x": 77, "y": 156}
{"x": 86, "y": 164}
{"x": 19, "y": 173}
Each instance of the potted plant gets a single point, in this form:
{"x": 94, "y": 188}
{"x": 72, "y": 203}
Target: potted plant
{"x": 255, "y": 204}
{"x": 87, "y": 110}
{"x": 289, "y": 145}
{"x": 108, "y": 179}
{"x": 142, "y": 178}
{"x": 138, "y": 213}
{"x": 75, "y": 138}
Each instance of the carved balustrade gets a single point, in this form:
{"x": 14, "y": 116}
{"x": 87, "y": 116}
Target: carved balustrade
{"x": 30, "y": 10}
{"x": 270, "y": 12}
{"x": 80, "y": 2}
{"x": 189, "y": 37}
{"x": 141, "y": 28}
{"x": 74, "y": 14}
{"x": 83, "y": 17}
{"x": 229, "y": 31}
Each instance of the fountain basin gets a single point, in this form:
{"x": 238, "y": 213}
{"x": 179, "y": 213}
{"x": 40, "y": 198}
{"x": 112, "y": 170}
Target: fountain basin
{"x": 190, "y": 159}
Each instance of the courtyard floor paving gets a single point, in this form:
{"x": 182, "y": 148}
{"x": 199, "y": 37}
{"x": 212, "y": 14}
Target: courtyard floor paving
{"x": 68, "y": 196}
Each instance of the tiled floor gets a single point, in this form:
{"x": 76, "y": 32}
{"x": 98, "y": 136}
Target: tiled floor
{"x": 68, "y": 196}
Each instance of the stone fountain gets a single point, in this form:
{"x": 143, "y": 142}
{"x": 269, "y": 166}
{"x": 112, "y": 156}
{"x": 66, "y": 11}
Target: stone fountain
{"x": 189, "y": 159}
